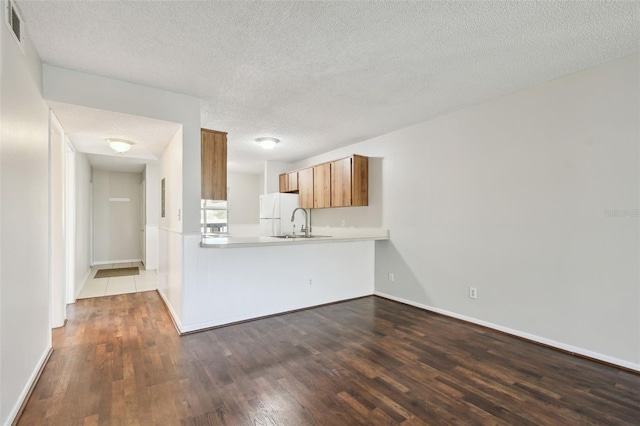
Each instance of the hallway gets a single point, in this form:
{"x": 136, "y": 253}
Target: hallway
{"x": 97, "y": 287}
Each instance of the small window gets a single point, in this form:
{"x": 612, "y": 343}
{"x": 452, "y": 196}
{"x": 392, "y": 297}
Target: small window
{"x": 214, "y": 217}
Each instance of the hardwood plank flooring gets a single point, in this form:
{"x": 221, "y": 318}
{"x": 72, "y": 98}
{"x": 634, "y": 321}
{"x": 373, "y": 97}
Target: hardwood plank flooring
{"x": 372, "y": 361}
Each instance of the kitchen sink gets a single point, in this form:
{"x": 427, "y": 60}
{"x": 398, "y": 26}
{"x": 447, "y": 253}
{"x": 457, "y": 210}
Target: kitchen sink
{"x": 300, "y": 236}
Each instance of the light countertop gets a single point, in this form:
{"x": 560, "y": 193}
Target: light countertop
{"x": 320, "y": 235}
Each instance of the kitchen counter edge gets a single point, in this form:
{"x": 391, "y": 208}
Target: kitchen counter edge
{"x": 235, "y": 242}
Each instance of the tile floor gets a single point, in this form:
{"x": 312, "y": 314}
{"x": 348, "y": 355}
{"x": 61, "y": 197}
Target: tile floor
{"x": 97, "y": 287}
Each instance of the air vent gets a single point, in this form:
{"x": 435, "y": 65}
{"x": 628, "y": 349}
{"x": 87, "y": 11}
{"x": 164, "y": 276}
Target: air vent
{"x": 14, "y": 22}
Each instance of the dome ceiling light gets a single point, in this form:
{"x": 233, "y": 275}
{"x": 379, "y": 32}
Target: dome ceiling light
{"x": 267, "y": 143}
{"x": 120, "y": 145}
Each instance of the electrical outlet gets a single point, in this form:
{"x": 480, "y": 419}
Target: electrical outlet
{"x": 310, "y": 282}
{"x": 342, "y": 222}
{"x": 391, "y": 276}
{"x": 473, "y": 292}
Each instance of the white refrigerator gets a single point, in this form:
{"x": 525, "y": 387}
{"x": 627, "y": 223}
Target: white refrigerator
{"x": 275, "y": 214}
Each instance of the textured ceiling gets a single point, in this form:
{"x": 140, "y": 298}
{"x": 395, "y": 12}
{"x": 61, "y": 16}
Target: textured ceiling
{"x": 319, "y": 75}
{"x": 88, "y": 128}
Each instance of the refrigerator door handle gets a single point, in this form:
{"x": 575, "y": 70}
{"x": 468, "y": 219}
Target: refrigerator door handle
{"x": 273, "y": 208}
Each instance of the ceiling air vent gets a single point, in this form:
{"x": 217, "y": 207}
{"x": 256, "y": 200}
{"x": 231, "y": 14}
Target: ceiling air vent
{"x": 14, "y": 22}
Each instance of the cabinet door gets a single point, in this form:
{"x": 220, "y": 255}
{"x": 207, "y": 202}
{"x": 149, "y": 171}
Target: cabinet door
{"x": 305, "y": 188}
{"x": 360, "y": 181}
{"x": 292, "y": 182}
{"x": 288, "y": 182}
{"x": 213, "y": 157}
{"x": 322, "y": 186}
{"x": 341, "y": 183}
{"x": 283, "y": 183}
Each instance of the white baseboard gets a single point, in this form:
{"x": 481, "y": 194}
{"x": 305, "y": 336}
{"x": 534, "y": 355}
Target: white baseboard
{"x": 26, "y": 392}
{"x": 174, "y": 317}
{"x": 548, "y": 342}
{"x": 110, "y": 262}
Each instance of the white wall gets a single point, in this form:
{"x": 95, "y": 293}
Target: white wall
{"x": 116, "y": 224}
{"x": 532, "y": 198}
{"x": 152, "y": 212}
{"x": 171, "y": 171}
{"x": 244, "y": 200}
{"x": 25, "y": 330}
{"x": 83, "y": 222}
{"x": 170, "y": 272}
{"x": 262, "y": 184}
{"x": 57, "y": 229}
{"x": 234, "y": 284}
{"x": 272, "y": 171}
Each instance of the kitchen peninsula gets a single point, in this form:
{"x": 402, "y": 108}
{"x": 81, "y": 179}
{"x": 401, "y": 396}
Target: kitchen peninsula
{"x": 256, "y": 272}
{"x": 327, "y": 235}
{"x": 231, "y": 279}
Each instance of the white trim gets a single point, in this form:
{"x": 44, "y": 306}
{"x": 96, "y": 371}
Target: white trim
{"x": 176, "y": 320}
{"x": 110, "y": 262}
{"x": 532, "y": 337}
{"x": 30, "y": 383}
{"x": 57, "y": 237}
{"x": 70, "y": 219}
{"x": 91, "y": 248}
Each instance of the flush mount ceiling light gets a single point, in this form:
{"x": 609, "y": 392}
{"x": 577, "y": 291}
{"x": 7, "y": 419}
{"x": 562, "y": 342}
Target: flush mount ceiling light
{"x": 120, "y": 145}
{"x": 267, "y": 143}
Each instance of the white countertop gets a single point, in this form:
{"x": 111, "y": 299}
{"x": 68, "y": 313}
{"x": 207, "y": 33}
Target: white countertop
{"x": 321, "y": 235}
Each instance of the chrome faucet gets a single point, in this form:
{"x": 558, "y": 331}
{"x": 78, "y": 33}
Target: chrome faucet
{"x": 305, "y": 227}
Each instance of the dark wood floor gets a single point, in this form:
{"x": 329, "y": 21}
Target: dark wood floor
{"x": 119, "y": 361}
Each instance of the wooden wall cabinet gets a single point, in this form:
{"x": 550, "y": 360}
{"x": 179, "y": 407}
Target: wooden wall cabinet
{"x": 305, "y": 187}
{"x": 350, "y": 182}
{"x": 322, "y": 186}
{"x": 213, "y": 158}
{"x": 289, "y": 182}
{"x": 339, "y": 183}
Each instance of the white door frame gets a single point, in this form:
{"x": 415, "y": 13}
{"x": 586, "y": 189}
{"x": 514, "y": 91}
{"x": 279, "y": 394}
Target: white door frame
{"x": 70, "y": 220}
{"x": 57, "y": 249}
{"x": 91, "y": 222}
{"x": 143, "y": 219}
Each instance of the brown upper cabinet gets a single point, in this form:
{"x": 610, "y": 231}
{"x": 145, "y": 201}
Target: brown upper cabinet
{"x": 305, "y": 187}
{"x": 322, "y": 186}
{"x": 339, "y": 183}
{"x": 289, "y": 182}
{"x": 213, "y": 157}
{"x": 350, "y": 182}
